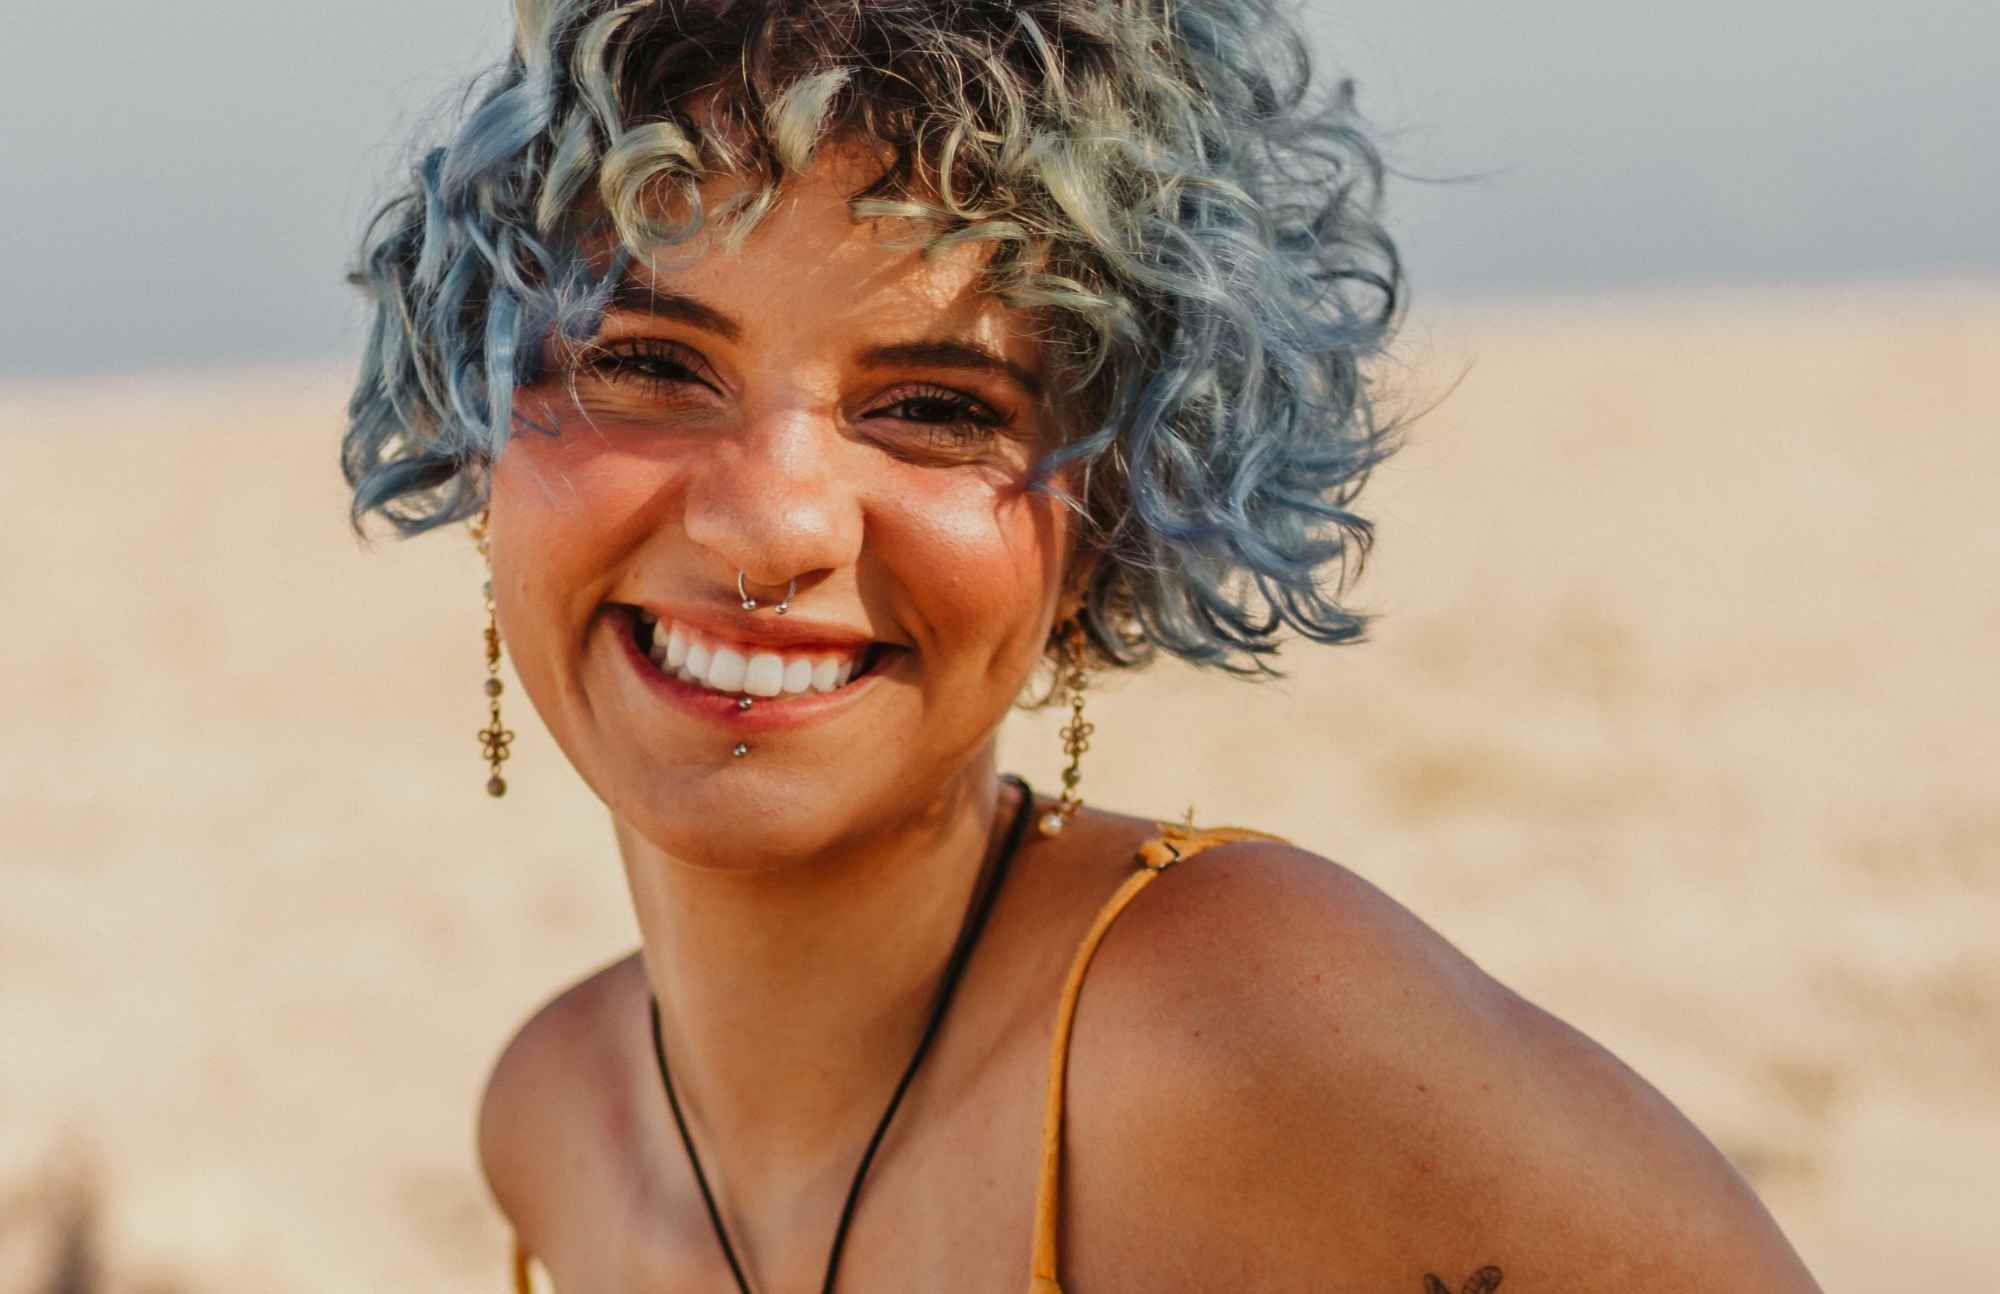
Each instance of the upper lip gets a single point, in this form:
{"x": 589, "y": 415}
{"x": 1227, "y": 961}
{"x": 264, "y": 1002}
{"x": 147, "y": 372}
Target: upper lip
{"x": 793, "y": 631}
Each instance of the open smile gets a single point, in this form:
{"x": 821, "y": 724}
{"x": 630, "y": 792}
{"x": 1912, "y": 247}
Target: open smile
{"x": 745, "y": 685}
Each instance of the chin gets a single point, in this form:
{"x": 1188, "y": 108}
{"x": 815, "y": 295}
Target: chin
{"x": 743, "y": 817}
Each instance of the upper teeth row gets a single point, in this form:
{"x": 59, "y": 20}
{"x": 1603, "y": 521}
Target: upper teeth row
{"x": 733, "y": 667}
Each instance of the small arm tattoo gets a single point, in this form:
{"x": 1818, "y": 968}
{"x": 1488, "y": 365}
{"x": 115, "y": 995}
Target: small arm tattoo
{"x": 1483, "y": 1281}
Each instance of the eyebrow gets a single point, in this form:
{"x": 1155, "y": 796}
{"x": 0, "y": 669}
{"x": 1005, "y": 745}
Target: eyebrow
{"x": 645, "y": 298}
{"x": 638, "y": 297}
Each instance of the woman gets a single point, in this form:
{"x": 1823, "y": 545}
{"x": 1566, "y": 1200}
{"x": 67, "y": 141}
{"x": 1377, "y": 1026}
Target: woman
{"x": 811, "y": 371}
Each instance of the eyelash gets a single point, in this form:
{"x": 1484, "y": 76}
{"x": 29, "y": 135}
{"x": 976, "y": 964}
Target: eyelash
{"x": 967, "y": 421}
{"x": 627, "y": 361}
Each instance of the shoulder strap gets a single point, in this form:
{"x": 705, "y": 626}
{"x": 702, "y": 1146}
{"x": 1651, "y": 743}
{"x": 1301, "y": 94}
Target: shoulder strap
{"x": 524, "y": 1280}
{"x": 1174, "y": 844}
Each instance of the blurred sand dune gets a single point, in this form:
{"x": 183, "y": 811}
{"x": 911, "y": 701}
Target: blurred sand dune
{"x": 1680, "y": 717}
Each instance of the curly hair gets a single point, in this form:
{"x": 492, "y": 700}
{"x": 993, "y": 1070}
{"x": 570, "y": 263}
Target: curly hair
{"x": 1194, "y": 224}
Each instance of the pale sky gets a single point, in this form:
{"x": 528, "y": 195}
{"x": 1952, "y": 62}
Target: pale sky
{"x": 184, "y": 182}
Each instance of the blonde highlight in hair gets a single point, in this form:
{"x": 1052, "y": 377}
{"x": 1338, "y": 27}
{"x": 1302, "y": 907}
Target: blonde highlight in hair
{"x": 1193, "y": 226}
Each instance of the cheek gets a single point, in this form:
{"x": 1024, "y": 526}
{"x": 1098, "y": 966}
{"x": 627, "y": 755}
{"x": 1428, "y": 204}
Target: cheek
{"x": 567, "y": 502}
{"x": 984, "y": 564}
{"x": 577, "y": 479}
{"x": 566, "y": 508}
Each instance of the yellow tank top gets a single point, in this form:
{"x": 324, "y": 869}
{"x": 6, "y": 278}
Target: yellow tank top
{"x": 1174, "y": 844}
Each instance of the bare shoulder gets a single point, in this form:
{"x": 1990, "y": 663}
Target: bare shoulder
{"x": 1311, "y": 1089}
{"x": 554, "y": 1096}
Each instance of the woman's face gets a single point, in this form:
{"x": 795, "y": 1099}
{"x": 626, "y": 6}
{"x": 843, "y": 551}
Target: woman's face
{"x": 819, "y": 406}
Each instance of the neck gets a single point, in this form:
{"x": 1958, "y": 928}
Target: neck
{"x": 791, "y": 999}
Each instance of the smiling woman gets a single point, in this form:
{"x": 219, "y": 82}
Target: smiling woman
{"x": 821, "y": 410}
{"x": 815, "y": 370}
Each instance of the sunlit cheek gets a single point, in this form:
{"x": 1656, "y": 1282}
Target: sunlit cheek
{"x": 986, "y": 564}
{"x": 582, "y": 474}
{"x": 566, "y": 506}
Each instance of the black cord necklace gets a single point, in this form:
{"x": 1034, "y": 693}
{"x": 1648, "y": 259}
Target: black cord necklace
{"x": 968, "y": 935}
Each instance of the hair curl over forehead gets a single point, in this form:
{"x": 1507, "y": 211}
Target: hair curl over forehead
{"x": 1194, "y": 226}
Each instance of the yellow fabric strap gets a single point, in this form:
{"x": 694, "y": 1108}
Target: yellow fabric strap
{"x": 1171, "y": 846}
{"x": 524, "y": 1280}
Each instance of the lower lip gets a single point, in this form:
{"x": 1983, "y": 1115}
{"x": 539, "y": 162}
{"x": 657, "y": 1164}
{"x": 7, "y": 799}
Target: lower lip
{"x": 766, "y": 713}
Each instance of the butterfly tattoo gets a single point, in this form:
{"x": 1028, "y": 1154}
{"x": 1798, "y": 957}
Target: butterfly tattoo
{"x": 1483, "y": 1281}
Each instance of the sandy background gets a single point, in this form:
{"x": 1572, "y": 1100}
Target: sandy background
{"x": 1681, "y": 718}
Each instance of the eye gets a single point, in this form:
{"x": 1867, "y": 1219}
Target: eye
{"x": 650, "y": 363}
{"x": 948, "y": 417}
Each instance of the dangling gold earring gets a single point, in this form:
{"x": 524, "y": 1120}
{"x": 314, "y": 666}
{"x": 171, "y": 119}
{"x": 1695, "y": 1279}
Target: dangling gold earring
{"x": 1075, "y": 734}
{"x": 493, "y": 739}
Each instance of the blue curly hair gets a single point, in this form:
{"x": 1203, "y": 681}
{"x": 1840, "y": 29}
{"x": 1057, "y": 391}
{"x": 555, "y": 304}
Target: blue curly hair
{"x": 1156, "y": 179}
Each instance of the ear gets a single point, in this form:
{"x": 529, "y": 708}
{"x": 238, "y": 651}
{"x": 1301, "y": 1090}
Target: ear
{"x": 1076, "y": 581}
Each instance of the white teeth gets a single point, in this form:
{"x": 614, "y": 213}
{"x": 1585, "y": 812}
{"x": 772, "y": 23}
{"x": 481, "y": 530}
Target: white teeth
{"x": 737, "y": 668}
{"x": 725, "y": 670}
{"x": 649, "y": 630}
{"x": 765, "y": 675}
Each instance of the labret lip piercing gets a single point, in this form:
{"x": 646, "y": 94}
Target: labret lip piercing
{"x": 742, "y": 748}
{"x": 751, "y": 604}
{"x": 743, "y": 703}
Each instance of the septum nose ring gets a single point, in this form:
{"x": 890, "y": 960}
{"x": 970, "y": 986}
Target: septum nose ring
{"x": 750, "y": 603}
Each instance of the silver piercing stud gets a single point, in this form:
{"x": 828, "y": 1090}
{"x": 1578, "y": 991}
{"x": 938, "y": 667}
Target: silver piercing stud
{"x": 743, "y": 703}
{"x": 750, "y": 604}
{"x": 742, "y": 749}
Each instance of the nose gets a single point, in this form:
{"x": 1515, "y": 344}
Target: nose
{"x": 770, "y": 500}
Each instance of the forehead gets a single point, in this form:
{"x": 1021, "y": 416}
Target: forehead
{"x": 808, "y": 265}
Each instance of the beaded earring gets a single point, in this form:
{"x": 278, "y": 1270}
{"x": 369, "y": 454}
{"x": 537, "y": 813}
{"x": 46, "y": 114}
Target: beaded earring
{"x": 493, "y": 738}
{"x": 1075, "y": 734}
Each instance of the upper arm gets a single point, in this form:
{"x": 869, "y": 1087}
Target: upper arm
{"x": 532, "y": 1133}
{"x": 1281, "y": 1080}
{"x": 505, "y": 1138}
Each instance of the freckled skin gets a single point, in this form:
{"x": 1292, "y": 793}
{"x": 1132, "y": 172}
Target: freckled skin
{"x": 781, "y": 463}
